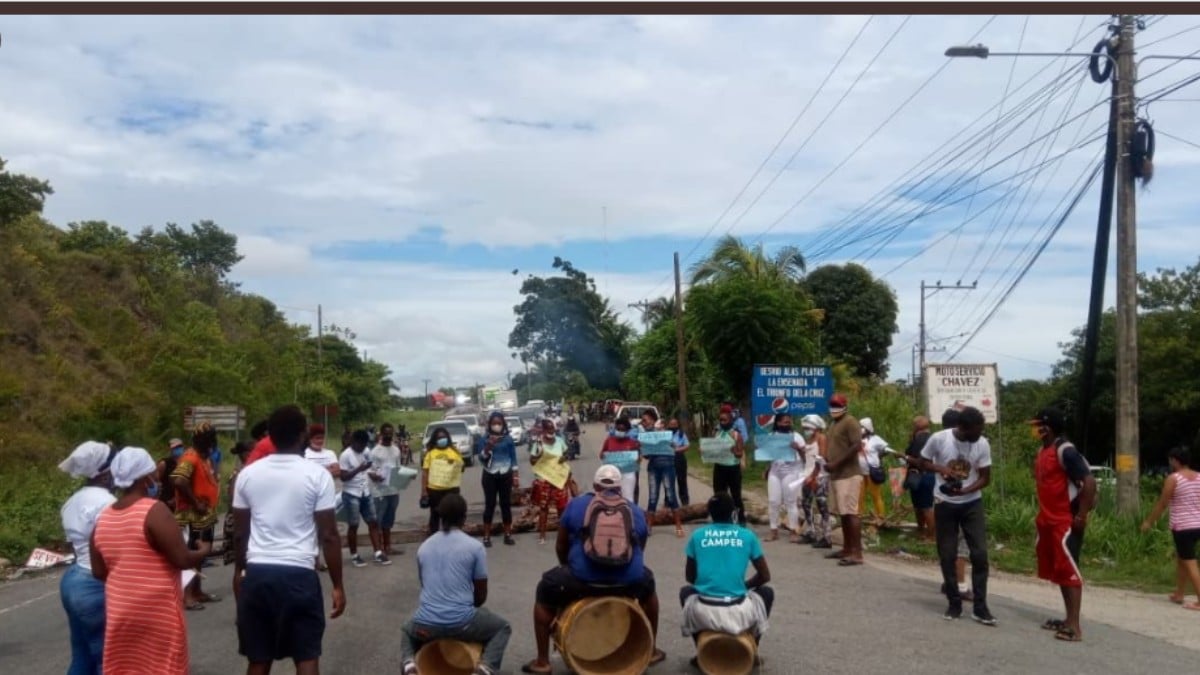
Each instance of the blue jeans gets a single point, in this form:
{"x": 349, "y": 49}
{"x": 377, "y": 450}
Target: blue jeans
{"x": 359, "y": 506}
{"x": 662, "y": 474}
{"x": 82, "y": 597}
{"x": 385, "y": 507}
{"x": 490, "y": 629}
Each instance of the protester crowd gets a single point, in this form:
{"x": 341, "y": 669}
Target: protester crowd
{"x": 144, "y": 546}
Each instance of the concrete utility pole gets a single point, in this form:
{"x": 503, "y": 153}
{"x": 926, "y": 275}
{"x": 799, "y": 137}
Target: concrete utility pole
{"x": 922, "y": 347}
{"x": 1127, "y": 437}
{"x": 680, "y": 349}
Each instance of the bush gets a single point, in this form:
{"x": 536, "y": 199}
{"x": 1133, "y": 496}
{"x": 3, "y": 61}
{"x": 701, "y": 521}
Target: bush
{"x": 32, "y": 498}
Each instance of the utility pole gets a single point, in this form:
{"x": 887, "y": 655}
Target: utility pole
{"x": 921, "y": 344}
{"x": 680, "y": 349}
{"x": 1127, "y": 438}
{"x": 320, "y": 370}
{"x": 426, "y": 381}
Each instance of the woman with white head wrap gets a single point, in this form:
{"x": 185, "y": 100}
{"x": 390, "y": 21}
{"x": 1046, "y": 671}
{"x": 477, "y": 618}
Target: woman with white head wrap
{"x": 139, "y": 554}
{"x": 816, "y": 484}
{"x": 81, "y": 594}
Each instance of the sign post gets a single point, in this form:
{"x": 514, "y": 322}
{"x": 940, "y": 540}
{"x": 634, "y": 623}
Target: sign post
{"x": 956, "y": 385}
{"x": 221, "y": 417}
{"x": 793, "y": 389}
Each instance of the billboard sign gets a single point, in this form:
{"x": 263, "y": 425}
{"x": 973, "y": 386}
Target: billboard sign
{"x": 957, "y": 385}
{"x": 794, "y": 389}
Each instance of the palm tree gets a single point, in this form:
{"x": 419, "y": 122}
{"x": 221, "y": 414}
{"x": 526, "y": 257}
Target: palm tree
{"x": 731, "y": 258}
{"x": 658, "y": 310}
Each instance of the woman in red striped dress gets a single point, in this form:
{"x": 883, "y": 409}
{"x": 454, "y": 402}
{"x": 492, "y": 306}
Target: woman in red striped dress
{"x": 138, "y": 553}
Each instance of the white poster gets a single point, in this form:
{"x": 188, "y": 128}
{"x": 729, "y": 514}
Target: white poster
{"x": 957, "y": 385}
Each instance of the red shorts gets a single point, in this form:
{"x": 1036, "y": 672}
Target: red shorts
{"x": 545, "y": 495}
{"x": 1058, "y": 555}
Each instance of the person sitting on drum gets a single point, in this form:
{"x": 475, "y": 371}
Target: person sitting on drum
{"x": 598, "y": 556}
{"x": 718, "y": 597}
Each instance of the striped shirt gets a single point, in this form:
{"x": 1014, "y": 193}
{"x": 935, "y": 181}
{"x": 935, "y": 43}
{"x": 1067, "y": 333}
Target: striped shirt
{"x": 1185, "y": 503}
{"x": 142, "y": 597}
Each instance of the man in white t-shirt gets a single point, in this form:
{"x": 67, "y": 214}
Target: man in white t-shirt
{"x": 282, "y": 505}
{"x": 961, "y": 458}
{"x": 356, "y": 498}
{"x": 385, "y": 459}
{"x": 317, "y": 452}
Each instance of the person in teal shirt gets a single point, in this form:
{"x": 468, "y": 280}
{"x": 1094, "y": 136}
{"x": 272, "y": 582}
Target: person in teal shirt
{"x": 718, "y": 596}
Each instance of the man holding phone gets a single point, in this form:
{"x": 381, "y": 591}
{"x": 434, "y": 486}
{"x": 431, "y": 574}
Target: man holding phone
{"x": 356, "y": 497}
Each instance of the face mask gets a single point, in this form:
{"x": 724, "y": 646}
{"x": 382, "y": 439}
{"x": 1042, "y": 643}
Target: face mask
{"x": 443, "y": 442}
{"x": 619, "y": 434}
{"x": 726, "y": 425}
{"x": 152, "y": 490}
{"x": 497, "y": 428}
{"x": 784, "y": 430}
{"x": 673, "y": 430}
{"x": 808, "y": 434}
{"x": 386, "y": 440}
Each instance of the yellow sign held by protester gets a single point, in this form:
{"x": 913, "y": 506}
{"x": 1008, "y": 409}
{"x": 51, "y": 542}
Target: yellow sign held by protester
{"x": 553, "y": 470}
{"x": 444, "y": 474}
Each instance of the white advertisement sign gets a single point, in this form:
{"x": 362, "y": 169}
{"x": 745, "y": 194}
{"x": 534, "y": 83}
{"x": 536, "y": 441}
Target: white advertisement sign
{"x": 957, "y": 385}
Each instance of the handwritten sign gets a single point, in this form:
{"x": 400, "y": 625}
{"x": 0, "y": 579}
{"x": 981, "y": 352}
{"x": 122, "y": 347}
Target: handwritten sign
{"x": 795, "y": 390}
{"x": 896, "y": 480}
{"x": 40, "y": 558}
{"x": 553, "y": 471}
{"x": 656, "y": 443}
{"x": 717, "y": 451}
{"x": 625, "y": 460}
{"x": 444, "y": 474}
{"x": 774, "y": 448}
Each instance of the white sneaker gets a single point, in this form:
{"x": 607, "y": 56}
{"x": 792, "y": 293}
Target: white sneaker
{"x": 381, "y": 559}
{"x": 357, "y": 561}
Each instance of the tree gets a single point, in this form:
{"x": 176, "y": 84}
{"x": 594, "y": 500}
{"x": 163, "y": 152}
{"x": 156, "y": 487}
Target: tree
{"x": 731, "y": 258}
{"x": 563, "y": 319}
{"x": 94, "y": 236}
{"x": 744, "y": 320}
{"x": 207, "y": 251}
{"x": 20, "y": 195}
{"x": 860, "y": 316}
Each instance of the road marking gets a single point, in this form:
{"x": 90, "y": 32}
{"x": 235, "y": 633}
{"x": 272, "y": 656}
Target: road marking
{"x": 19, "y": 605}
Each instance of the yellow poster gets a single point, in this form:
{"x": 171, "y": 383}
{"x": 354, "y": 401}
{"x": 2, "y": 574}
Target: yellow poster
{"x": 552, "y": 471}
{"x": 444, "y": 474}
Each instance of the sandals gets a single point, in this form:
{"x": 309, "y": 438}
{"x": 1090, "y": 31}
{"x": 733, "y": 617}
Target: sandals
{"x": 194, "y": 607}
{"x": 509, "y": 541}
{"x": 1177, "y": 599}
{"x": 659, "y": 656}
{"x": 1054, "y": 625}
{"x": 1067, "y": 635}
{"x": 774, "y": 536}
{"x": 209, "y": 597}
{"x": 533, "y": 667}
{"x": 849, "y": 562}
{"x": 679, "y": 532}
{"x": 487, "y": 542}
{"x": 836, "y": 555}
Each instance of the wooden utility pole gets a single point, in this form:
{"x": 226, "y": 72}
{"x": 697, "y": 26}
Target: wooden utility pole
{"x": 1127, "y": 437}
{"x": 922, "y": 346}
{"x": 680, "y": 348}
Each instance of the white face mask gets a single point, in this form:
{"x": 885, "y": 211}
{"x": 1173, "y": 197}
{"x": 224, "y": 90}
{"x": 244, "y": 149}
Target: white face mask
{"x": 497, "y": 428}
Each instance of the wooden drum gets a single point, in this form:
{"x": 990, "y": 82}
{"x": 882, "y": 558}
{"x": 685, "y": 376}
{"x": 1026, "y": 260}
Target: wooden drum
{"x": 725, "y": 654}
{"x": 605, "y": 636}
{"x": 448, "y": 657}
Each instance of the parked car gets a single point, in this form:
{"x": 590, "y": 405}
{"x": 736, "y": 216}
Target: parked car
{"x": 1104, "y": 475}
{"x": 516, "y": 428}
{"x": 634, "y": 409}
{"x": 471, "y": 420}
{"x": 460, "y": 435}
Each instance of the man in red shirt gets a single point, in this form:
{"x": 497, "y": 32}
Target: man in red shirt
{"x": 1066, "y": 494}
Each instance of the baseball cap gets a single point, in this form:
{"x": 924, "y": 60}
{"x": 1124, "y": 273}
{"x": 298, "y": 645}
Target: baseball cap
{"x": 1050, "y": 417}
{"x": 174, "y": 443}
{"x": 608, "y": 476}
{"x": 838, "y": 402}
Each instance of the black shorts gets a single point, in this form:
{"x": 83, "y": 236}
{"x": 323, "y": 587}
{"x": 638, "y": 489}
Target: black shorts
{"x": 280, "y": 614}
{"x": 1185, "y": 543}
{"x": 195, "y": 536}
{"x": 559, "y": 588}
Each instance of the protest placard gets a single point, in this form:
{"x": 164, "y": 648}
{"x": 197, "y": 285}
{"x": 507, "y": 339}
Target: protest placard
{"x": 717, "y": 451}
{"x": 656, "y": 443}
{"x": 550, "y": 469}
{"x": 625, "y": 460}
{"x": 774, "y": 448}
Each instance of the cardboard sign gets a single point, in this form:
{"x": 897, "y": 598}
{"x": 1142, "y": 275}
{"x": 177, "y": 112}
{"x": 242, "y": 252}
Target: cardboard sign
{"x": 797, "y": 390}
{"x": 401, "y": 476}
{"x": 656, "y": 443}
{"x": 444, "y": 474}
{"x": 774, "y": 448}
{"x": 40, "y": 559}
{"x": 896, "y": 480}
{"x": 717, "y": 451}
{"x": 625, "y": 460}
{"x": 552, "y": 470}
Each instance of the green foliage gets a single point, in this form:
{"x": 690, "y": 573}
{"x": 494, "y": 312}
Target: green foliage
{"x": 32, "y": 498}
{"x": 653, "y": 373}
{"x": 732, "y": 259}
{"x": 20, "y": 195}
{"x": 744, "y": 320}
{"x": 860, "y": 316}
{"x": 564, "y": 321}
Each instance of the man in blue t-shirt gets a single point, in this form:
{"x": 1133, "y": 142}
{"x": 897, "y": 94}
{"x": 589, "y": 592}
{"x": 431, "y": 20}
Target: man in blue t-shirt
{"x": 719, "y": 597}
{"x": 578, "y": 576}
{"x": 452, "y": 567}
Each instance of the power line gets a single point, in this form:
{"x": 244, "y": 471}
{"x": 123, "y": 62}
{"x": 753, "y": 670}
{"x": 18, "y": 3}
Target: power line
{"x": 1160, "y": 132}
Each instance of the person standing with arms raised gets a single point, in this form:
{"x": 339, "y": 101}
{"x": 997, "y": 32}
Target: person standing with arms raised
{"x": 498, "y": 455}
{"x": 282, "y": 504}
{"x": 846, "y": 479}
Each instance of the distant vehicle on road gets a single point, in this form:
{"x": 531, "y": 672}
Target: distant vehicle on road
{"x": 1104, "y": 475}
{"x": 634, "y": 409}
{"x": 471, "y": 420}
{"x": 516, "y": 428}
{"x": 460, "y": 435}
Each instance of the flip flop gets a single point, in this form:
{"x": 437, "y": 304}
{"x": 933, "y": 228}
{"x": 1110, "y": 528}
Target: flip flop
{"x": 1054, "y": 625}
{"x": 532, "y": 667}
{"x": 209, "y": 597}
{"x": 1067, "y": 635}
{"x": 836, "y": 555}
{"x": 194, "y": 607}
{"x": 849, "y": 562}
{"x": 1177, "y": 599}
{"x": 659, "y": 657}
{"x": 1192, "y": 606}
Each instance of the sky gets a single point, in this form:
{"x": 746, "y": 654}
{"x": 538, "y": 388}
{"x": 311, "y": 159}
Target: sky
{"x": 406, "y": 173}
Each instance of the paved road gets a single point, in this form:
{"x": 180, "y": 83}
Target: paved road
{"x": 827, "y": 619}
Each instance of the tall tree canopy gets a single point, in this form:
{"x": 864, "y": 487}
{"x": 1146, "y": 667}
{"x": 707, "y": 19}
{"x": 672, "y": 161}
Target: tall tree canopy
{"x": 20, "y": 195}
{"x": 731, "y": 259}
{"x": 565, "y": 320}
{"x": 860, "y": 316}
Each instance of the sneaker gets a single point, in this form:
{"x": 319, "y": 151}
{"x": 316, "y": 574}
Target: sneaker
{"x": 487, "y": 543}
{"x": 984, "y": 617}
{"x": 357, "y": 561}
{"x": 509, "y": 541}
{"x": 381, "y": 558}
{"x": 409, "y": 668}
{"x": 954, "y": 611}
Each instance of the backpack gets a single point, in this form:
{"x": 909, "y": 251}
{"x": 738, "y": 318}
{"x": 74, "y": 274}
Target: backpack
{"x": 1061, "y": 445}
{"x": 608, "y": 530}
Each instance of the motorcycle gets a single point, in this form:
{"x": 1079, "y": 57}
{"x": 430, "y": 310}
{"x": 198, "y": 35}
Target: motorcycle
{"x": 573, "y": 446}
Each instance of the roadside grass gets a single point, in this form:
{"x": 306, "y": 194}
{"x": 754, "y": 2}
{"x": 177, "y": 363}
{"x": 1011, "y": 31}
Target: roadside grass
{"x": 30, "y": 500}
{"x": 414, "y": 420}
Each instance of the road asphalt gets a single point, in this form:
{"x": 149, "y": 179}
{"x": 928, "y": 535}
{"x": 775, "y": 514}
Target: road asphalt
{"x": 827, "y": 619}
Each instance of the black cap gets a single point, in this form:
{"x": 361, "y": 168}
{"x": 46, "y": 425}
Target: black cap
{"x": 1052, "y": 418}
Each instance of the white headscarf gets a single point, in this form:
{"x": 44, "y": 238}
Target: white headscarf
{"x": 87, "y": 460}
{"x": 131, "y": 465}
{"x": 812, "y": 422}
